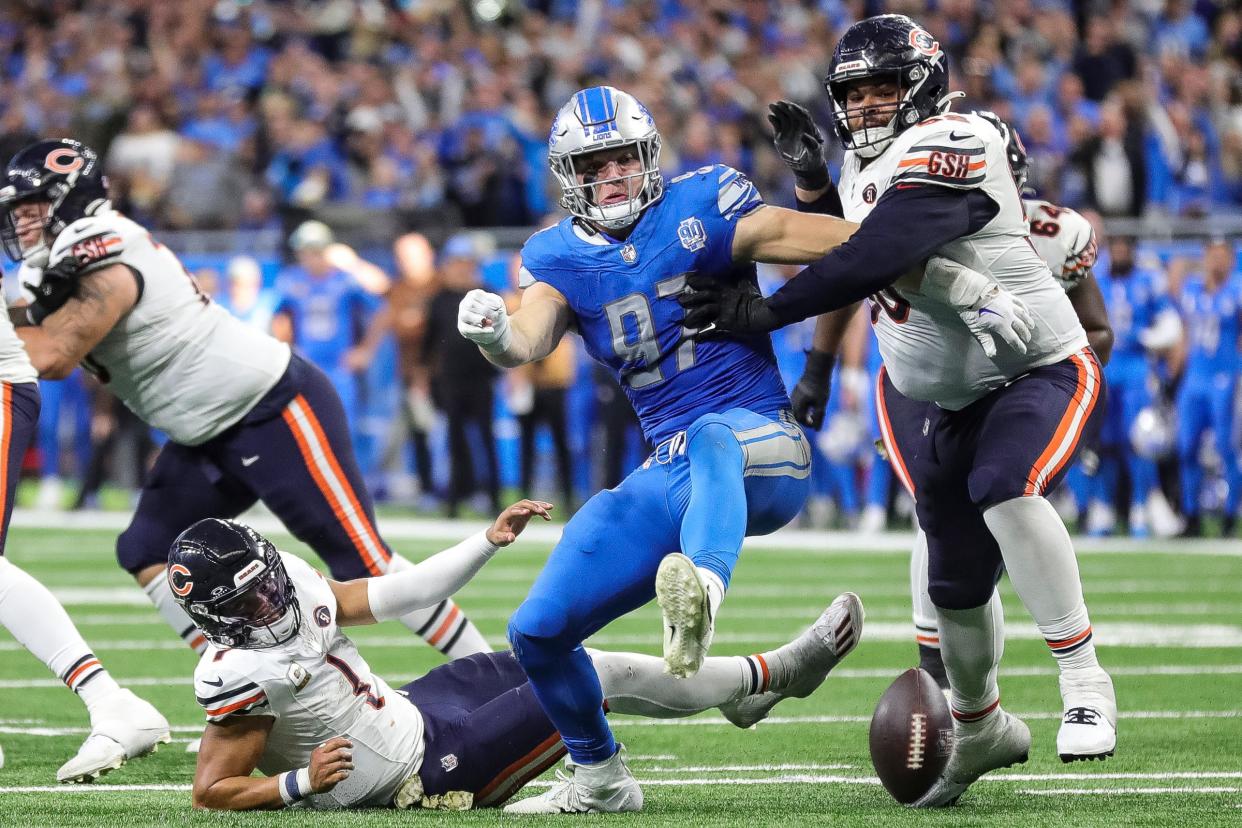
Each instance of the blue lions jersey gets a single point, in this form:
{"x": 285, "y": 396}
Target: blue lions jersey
{"x": 1211, "y": 320}
{"x": 1133, "y": 301}
{"x": 624, "y": 298}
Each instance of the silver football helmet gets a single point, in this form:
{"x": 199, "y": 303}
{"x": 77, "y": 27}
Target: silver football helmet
{"x": 602, "y": 118}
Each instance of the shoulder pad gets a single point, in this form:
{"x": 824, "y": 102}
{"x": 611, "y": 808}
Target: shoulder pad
{"x": 950, "y": 150}
{"x": 733, "y": 192}
{"x": 541, "y": 251}
{"x": 222, "y": 691}
{"x": 95, "y": 241}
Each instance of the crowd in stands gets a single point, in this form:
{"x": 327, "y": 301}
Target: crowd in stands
{"x": 221, "y": 113}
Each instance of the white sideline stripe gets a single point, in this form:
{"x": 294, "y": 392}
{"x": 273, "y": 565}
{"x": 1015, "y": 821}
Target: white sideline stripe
{"x": 1128, "y": 791}
{"x": 819, "y": 543}
{"x": 714, "y": 721}
{"x": 1119, "y": 634}
{"x": 839, "y": 673}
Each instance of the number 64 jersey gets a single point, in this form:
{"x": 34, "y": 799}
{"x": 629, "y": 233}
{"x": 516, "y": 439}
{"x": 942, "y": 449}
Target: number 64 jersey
{"x": 927, "y": 349}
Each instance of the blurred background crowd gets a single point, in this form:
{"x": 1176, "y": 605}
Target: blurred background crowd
{"x": 391, "y": 125}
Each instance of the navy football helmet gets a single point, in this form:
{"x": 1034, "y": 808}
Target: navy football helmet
{"x": 1019, "y": 163}
{"x": 888, "y": 46}
{"x": 66, "y": 174}
{"x": 231, "y": 582}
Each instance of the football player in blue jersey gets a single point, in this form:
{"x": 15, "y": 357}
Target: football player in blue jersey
{"x": 1212, "y": 307}
{"x": 729, "y": 460}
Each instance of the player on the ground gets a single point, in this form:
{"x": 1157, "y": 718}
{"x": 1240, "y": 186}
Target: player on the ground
{"x": 729, "y": 460}
{"x": 1212, "y": 307}
{"x": 285, "y": 692}
{"x": 123, "y": 726}
{"x": 247, "y": 420}
{"x": 1064, "y": 240}
{"x": 1006, "y": 425}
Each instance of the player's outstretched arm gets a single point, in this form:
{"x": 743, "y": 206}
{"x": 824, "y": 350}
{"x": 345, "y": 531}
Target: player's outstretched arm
{"x": 368, "y": 600}
{"x": 1088, "y": 302}
{"x": 231, "y": 751}
{"x": 809, "y": 398}
{"x": 74, "y": 313}
{"x": 781, "y": 236}
{"x": 531, "y": 333}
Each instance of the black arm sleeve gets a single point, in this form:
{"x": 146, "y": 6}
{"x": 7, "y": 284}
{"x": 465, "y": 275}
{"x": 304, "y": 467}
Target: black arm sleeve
{"x": 906, "y": 227}
{"x": 828, "y": 204}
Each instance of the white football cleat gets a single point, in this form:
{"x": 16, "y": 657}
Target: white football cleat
{"x": 123, "y": 727}
{"x": 1089, "y": 724}
{"x": 606, "y": 788}
{"x": 800, "y": 667}
{"x": 998, "y": 741}
{"x": 688, "y": 621}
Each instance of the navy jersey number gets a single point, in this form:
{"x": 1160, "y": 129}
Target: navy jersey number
{"x": 634, "y": 333}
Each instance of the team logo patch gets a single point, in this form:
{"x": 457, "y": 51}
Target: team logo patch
{"x": 924, "y": 42}
{"x": 692, "y": 234}
{"x": 179, "y": 580}
{"x": 629, "y": 254}
{"x": 63, "y": 160}
{"x": 869, "y": 194}
{"x": 449, "y": 762}
{"x": 322, "y": 616}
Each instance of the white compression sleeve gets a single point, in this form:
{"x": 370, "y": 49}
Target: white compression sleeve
{"x": 953, "y": 283}
{"x": 428, "y": 582}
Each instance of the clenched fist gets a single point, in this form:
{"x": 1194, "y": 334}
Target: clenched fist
{"x": 483, "y": 319}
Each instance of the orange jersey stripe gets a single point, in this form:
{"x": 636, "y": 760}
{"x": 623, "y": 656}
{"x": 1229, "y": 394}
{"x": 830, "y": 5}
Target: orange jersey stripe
{"x": 886, "y": 431}
{"x": 1069, "y": 429}
{"x": 544, "y": 746}
{"x": 308, "y": 459}
{"x": 1069, "y": 642}
{"x": 927, "y": 639}
{"x": 229, "y": 708}
{"x": 6, "y": 431}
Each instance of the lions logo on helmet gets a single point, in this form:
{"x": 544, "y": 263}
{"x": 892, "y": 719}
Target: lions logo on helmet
{"x": 888, "y": 46}
{"x": 604, "y": 118}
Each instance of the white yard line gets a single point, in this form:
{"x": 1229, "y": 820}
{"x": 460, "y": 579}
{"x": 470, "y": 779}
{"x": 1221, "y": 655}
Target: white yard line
{"x": 817, "y": 543}
{"x": 1208, "y": 789}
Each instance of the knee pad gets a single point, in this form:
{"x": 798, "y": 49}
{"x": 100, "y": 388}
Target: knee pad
{"x": 968, "y": 591}
{"x": 989, "y": 486}
{"x": 539, "y": 629}
{"x": 137, "y": 549}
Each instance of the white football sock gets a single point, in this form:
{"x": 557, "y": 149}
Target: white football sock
{"x": 443, "y": 626}
{"x": 174, "y": 616}
{"x": 971, "y": 643}
{"x": 35, "y": 618}
{"x": 1043, "y": 569}
{"x": 638, "y": 685}
{"x": 926, "y": 627}
{"x": 715, "y": 588}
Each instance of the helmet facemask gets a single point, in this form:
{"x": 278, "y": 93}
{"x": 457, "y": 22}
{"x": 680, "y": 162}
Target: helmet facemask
{"x": 870, "y": 142}
{"x": 262, "y": 612}
{"x": 11, "y": 229}
{"x": 578, "y": 196}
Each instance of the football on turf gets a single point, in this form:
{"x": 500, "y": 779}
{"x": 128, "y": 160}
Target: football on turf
{"x": 911, "y": 735}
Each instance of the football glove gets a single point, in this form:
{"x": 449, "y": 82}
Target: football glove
{"x": 483, "y": 319}
{"x": 57, "y": 287}
{"x": 809, "y": 399}
{"x": 715, "y": 307}
{"x": 799, "y": 143}
{"x": 999, "y": 315}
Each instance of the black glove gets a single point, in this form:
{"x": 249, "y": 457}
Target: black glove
{"x": 810, "y": 396}
{"x": 799, "y": 143}
{"x": 715, "y": 307}
{"x": 56, "y": 288}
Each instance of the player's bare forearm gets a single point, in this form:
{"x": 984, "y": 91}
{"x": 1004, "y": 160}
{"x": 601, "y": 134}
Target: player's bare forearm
{"x": 830, "y": 329}
{"x": 536, "y": 327}
{"x": 68, "y": 334}
{"x": 228, "y": 755}
{"x": 779, "y": 236}
{"x": 1088, "y": 302}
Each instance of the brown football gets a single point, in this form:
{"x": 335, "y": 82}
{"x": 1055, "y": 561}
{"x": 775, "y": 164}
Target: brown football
{"x": 911, "y": 735}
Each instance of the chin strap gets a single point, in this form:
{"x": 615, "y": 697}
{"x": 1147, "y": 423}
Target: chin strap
{"x": 946, "y": 103}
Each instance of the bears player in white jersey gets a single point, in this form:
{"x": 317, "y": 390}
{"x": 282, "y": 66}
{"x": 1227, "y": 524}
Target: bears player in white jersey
{"x": 123, "y": 726}
{"x": 1065, "y": 241}
{"x": 1006, "y": 425}
{"x": 247, "y": 420}
{"x": 285, "y": 692}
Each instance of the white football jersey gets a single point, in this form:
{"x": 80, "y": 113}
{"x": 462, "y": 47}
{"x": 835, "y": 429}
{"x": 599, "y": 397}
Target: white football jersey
{"x": 317, "y": 687}
{"x": 178, "y": 360}
{"x": 930, "y": 353}
{"x": 1063, "y": 239}
{"x": 15, "y": 364}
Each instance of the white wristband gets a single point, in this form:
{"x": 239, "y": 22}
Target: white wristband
{"x": 294, "y": 785}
